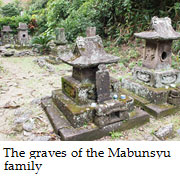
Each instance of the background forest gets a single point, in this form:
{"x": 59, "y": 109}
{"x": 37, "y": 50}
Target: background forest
{"x": 116, "y": 19}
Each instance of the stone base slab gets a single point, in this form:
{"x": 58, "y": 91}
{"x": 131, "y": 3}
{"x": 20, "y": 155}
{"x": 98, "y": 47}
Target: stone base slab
{"x": 162, "y": 110}
{"x": 153, "y": 95}
{"x": 156, "y": 110}
{"x": 90, "y": 131}
{"x": 76, "y": 115}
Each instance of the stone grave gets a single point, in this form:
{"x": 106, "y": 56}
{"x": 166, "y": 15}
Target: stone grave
{"x": 156, "y": 85}
{"x": 6, "y": 35}
{"x": 59, "y": 46}
{"x": 23, "y": 36}
{"x": 89, "y": 105}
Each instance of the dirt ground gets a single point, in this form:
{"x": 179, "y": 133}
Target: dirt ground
{"x": 23, "y": 83}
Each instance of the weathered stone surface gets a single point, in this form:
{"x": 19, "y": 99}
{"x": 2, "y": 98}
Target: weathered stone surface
{"x": 154, "y": 95}
{"x": 139, "y": 101}
{"x": 86, "y": 75}
{"x": 76, "y": 115}
{"x": 21, "y": 116}
{"x": 6, "y": 36}
{"x": 55, "y": 116}
{"x": 23, "y": 53}
{"x": 80, "y": 93}
{"x": 91, "y": 31}
{"x": 22, "y": 26}
{"x": 164, "y": 132}
{"x": 162, "y": 110}
{"x": 40, "y": 138}
{"x": 178, "y": 132}
{"x": 174, "y": 97}
{"x": 162, "y": 29}
{"x": 23, "y": 37}
{"x": 42, "y": 63}
{"x": 6, "y": 29}
{"x": 89, "y": 52}
{"x": 92, "y": 132}
{"x": 8, "y": 53}
{"x": 28, "y": 126}
{"x": 110, "y": 111}
{"x": 60, "y": 36}
{"x": 102, "y": 84}
{"x": 157, "y": 53}
{"x": 156, "y": 78}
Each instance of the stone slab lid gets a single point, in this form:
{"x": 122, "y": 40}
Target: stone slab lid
{"x": 161, "y": 30}
{"x": 6, "y": 29}
{"x": 23, "y": 26}
{"x": 89, "y": 52}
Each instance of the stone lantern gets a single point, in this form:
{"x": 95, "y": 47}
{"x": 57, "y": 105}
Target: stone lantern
{"x": 157, "y": 60}
{"x": 23, "y": 36}
{"x": 86, "y": 97}
{"x": 155, "y": 85}
{"x": 6, "y": 35}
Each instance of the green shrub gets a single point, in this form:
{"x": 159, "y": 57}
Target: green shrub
{"x": 14, "y": 21}
{"x": 10, "y": 10}
{"x": 42, "y": 42}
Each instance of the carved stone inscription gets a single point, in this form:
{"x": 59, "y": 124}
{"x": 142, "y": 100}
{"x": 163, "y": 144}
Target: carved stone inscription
{"x": 143, "y": 76}
{"x": 169, "y": 79}
{"x": 102, "y": 84}
{"x": 68, "y": 89}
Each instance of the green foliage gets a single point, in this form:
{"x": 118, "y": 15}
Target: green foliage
{"x": 42, "y": 42}
{"x": 78, "y": 20}
{"x": 115, "y": 135}
{"x": 37, "y": 6}
{"x": 115, "y": 19}
{"x": 14, "y": 21}
{"x": 11, "y": 9}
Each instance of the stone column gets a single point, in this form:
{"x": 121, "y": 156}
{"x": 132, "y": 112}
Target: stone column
{"x": 91, "y": 31}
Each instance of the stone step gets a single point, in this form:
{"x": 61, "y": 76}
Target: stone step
{"x": 76, "y": 115}
{"x": 89, "y": 132}
{"x": 56, "y": 117}
{"x": 160, "y": 110}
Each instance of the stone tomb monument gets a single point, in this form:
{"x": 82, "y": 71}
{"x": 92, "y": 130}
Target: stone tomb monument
{"x": 23, "y": 37}
{"x": 60, "y": 36}
{"x": 6, "y": 36}
{"x": 58, "y": 47}
{"x": 84, "y": 109}
{"x": 155, "y": 85}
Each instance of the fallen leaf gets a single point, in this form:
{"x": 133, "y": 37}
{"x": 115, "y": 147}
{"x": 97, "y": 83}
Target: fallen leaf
{"x": 11, "y": 105}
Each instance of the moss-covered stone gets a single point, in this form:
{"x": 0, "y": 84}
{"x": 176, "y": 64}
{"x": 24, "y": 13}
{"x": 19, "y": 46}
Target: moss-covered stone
{"x": 80, "y": 93}
{"x": 77, "y": 115}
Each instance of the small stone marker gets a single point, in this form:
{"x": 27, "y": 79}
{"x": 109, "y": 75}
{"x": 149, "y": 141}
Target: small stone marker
{"x": 60, "y": 36}
{"x": 102, "y": 84}
{"x": 91, "y": 31}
